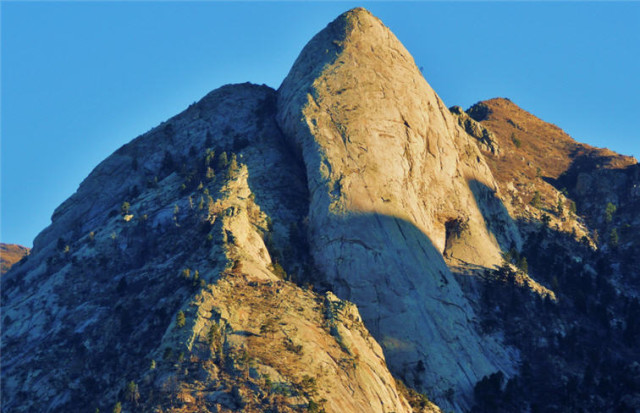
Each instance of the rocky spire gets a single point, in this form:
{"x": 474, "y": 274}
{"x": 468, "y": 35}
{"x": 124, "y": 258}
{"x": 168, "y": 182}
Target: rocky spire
{"x": 394, "y": 184}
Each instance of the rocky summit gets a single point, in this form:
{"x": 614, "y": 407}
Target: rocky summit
{"x": 345, "y": 243}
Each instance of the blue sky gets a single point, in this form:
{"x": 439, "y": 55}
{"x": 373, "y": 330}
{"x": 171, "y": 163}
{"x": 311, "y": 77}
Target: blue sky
{"x": 78, "y": 80}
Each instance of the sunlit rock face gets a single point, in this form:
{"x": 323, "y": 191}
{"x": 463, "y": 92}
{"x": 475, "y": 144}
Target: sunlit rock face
{"x": 394, "y": 184}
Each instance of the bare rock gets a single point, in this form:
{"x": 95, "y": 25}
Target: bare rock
{"x": 389, "y": 170}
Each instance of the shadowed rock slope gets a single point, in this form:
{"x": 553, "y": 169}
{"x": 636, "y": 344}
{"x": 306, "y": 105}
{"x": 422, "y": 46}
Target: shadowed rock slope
{"x": 577, "y": 208}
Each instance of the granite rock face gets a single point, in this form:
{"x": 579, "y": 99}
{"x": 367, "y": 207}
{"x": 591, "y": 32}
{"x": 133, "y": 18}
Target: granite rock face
{"x": 394, "y": 184}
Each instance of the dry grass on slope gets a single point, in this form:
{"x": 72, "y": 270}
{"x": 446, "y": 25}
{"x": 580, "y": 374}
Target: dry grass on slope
{"x": 11, "y": 254}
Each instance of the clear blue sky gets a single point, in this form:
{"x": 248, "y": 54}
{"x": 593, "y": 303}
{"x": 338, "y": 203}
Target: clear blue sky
{"x": 81, "y": 79}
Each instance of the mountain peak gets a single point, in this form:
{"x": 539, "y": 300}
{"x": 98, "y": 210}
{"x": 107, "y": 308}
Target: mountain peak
{"x": 356, "y": 33}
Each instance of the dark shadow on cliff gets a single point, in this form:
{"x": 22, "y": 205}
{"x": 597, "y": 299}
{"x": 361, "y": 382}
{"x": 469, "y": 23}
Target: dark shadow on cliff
{"x": 497, "y": 220}
{"x": 409, "y": 300}
{"x": 598, "y": 179}
{"x": 589, "y": 301}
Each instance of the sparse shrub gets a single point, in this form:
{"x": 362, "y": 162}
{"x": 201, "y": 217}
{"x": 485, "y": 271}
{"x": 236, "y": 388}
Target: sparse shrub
{"x": 457, "y": 226}
{"x": 560, "y": 207}
{"x": 294, "y": 348}
{"x": 180, "y": 319}
{"x": 515, "y": 140}
{"x": 278, "y": 271}
{"x": 132, "y": 394}
{"x": 536, "y": 201}
{"x": 313, "y": 407}
{"x": 237, "y": 268}
{"x": 117, "y": 408}
{"x": 609, "y": 211}
{"x": 233, "y": 165}
{"x": 214, "y": 337}
{"x": 416, "y": 400}
{"x": 269, "y": 327}
{"x": 572, "y": 207}
{"x": 210, "y": 174}
{"x": 522, "y": 264}
{"x": 308, "y": 384}
{"x": 222, "y": 161}
{"x": 614, "y": 239}
{"x": 209, "y": 157}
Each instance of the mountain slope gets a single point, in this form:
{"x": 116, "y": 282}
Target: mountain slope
{"x": 11, "y": 254}
{"x": 576, "y": 207}
{"x": 539, "y": 156}
{"x": 165, "y": 257}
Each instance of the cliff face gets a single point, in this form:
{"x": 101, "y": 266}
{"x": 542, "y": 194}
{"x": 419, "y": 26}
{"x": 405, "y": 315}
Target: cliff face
{"x": 394, "y": 184}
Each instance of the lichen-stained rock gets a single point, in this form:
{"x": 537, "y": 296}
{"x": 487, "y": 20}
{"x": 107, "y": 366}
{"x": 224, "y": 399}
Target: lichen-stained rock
{"x": 394, "y": 183}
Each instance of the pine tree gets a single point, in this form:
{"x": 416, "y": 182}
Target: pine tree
{"x": 180, "y": 319}
{"x": 536, "y": 201}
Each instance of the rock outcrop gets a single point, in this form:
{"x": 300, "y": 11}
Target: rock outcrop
{"x": 394, "y": 184}
{"x": 485, "y": 139}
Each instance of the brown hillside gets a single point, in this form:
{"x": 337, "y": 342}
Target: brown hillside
{"x": 532, "y": 155}
{"x": 541, "y": 144}
{"x": 10, "y": 254}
